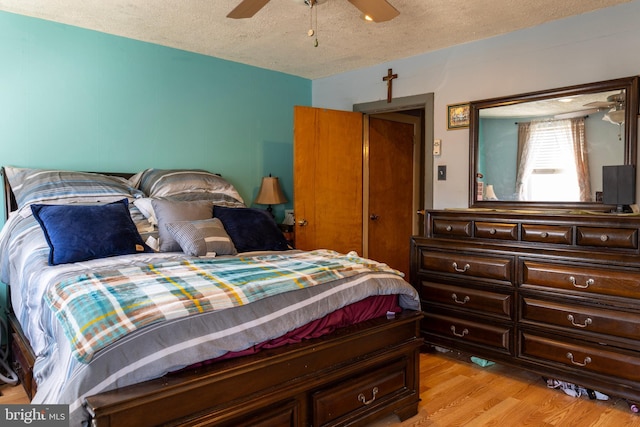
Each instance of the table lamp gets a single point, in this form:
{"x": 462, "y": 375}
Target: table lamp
{"x": 270, "y": 193}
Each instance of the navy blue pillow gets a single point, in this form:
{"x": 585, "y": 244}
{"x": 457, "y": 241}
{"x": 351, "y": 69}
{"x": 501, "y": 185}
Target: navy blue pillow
{"x": 251, "y": 229}
{"x": 83, "y": 232}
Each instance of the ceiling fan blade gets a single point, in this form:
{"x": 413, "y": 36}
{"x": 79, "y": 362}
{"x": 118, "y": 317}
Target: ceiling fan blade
{"x": 600, "y": 104}
{"x": 378, "y": 10}
{"x": 247, "y": 8}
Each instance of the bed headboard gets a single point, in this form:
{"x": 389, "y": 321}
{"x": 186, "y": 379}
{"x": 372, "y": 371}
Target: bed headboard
{"x": 10, "y": 204}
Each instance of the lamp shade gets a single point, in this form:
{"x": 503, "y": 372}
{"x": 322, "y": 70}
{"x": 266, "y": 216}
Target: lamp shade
{"x": 491, "y": 194}
{"x": 270, "y": 192}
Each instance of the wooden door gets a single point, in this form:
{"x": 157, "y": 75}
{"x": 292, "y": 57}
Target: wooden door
{"x": 392, "y": 190}
{"x": 327, "y": 179}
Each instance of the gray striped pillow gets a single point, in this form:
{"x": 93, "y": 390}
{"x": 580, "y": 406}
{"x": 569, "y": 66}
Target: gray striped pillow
{"x": 188, "y": 184}
{"x": 202, "y": 237}
{"x": 46, "y": 186}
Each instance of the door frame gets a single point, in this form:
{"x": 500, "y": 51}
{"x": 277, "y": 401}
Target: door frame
{"x": 415, "y": 102}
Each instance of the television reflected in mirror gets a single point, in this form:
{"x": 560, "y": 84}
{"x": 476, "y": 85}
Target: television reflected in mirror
{"x": 547, "y": 149}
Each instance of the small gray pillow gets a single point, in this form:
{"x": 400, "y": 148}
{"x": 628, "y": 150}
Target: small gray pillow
{"x": 202, "y": 237}
{"x": 171, "y": 211}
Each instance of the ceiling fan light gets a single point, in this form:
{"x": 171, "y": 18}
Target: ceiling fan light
{"x": 616, "y": 117}
{"x": 378, "y": 10}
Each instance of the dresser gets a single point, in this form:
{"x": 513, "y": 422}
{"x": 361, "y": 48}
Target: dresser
{"x": 554, "y": 293}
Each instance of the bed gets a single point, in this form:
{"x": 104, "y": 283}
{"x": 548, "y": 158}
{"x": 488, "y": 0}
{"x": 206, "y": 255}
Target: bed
{"x": 159, "y": 298}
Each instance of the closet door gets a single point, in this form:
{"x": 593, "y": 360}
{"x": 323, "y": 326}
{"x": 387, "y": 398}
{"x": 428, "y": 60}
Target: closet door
{"x": 392, "y": 190}
{"x": 327, "y": 179}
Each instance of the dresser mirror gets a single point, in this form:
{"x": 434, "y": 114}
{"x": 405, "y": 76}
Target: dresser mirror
{"x": 546, "y": 149}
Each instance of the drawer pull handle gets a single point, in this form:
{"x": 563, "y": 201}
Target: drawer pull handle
{"x": 465, "y": 331}
{"x": 492, "y": 231}
{"x": 460, "y": 270}
{"x": 588, "y": 283}
{"x": 449, "y": 228}
{"x": 604, "y": 238}
{"x": 587, "y": 360}
{"x": 464, "y": 301}
{"x": 364, "y": 400}
{"x": 587, "y": 321}
{"x": 544, "y": 234}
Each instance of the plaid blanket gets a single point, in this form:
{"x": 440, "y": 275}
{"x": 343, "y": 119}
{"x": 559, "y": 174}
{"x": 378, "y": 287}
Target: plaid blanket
{"x": 98, "y": 308}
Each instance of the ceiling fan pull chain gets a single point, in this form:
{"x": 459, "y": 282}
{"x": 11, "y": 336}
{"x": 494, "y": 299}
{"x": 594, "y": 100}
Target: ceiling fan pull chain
{"x": 311, "y": 31}
{"x": 316, "y": 42}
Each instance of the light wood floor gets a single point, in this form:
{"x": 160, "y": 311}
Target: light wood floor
{"x": 12, "y": 394}
{"x": 456, "y": 392}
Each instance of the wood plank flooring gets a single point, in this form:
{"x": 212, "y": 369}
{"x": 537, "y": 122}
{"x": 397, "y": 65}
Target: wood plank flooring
{"x": 12, "y": 395}
{"x": 456, "y": 393}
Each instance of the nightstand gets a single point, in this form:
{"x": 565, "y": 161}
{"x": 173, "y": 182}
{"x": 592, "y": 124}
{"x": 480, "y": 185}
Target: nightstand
{"x": 289, "y": 234}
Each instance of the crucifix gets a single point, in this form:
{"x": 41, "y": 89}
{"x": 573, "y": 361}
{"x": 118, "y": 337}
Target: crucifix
{"x": 389, "y": 79}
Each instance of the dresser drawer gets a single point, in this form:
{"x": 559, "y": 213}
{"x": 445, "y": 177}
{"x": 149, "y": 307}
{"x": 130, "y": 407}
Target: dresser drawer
{"x": 583, "y": 357}
{"x": 552, "y": 234}
{"x": 360, "y": 394}
{"x": 495, "y": 230}
{"x": 623, "y": 238}
{"x": 278, "y": 415}
{"x": 472, "y": 299}
{"x": 599, "y": 280}
{"x": 579, "y": 318}
{"x": 468, "y": 330}
{"x": 462, "y": 264}
{"x": 452, "y": 228}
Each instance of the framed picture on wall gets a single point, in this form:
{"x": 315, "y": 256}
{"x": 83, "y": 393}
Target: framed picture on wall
{"x": 457, "y": 116}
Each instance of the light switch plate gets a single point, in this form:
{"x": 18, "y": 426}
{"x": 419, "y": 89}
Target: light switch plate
{"x": 442, "y": 173}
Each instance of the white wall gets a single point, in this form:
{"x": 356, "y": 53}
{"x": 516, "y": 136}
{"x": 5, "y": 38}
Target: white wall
{"x": 591, "y": 47}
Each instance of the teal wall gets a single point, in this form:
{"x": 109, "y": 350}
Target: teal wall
{"x": 77, "y": 99}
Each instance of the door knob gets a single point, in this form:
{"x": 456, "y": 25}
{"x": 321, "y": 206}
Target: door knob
{"x": 374, "y": 217}
{"x": 421, "y": 212}
{"x": 302, "y": 222}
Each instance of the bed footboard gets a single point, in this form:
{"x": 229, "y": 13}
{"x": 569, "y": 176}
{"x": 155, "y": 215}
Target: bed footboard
{"x": 353, "y": 376}
{"x": 22, "y": 358}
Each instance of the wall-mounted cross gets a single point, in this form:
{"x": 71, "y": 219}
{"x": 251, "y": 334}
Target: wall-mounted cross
{"x": 389, "y": 79}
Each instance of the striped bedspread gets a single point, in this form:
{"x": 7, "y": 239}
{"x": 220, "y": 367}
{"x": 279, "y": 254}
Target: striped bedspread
{"x": 99, "y": 307}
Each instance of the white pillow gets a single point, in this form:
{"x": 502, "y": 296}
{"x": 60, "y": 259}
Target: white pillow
{"x": 146, "y": 207}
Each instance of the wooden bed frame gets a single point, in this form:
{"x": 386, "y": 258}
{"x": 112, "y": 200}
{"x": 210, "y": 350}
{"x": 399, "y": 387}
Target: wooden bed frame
{"x": 353, "y": 376}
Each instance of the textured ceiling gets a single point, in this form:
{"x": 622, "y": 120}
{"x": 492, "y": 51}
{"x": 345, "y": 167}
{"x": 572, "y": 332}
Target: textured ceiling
{"x": 276, "y": 37}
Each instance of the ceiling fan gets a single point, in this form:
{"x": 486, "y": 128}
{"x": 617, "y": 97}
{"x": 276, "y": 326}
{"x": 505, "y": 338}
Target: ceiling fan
{"x": 615, "y": 104}
{"x": 377, "y": 10}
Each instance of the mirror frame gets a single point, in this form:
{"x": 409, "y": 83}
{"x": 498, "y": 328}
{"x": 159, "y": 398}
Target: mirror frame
{"x": 630, "y": 84}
